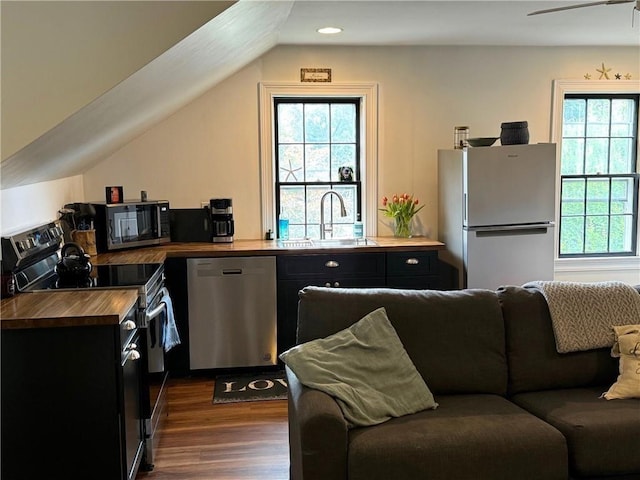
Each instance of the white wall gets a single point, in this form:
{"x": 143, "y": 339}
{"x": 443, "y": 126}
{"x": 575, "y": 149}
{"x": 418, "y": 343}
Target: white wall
{"x": 210, "y": 147}
{"x": 24, "y": 207}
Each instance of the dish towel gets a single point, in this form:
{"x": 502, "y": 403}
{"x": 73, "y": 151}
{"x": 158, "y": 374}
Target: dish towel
{"x": 170, "y": 336}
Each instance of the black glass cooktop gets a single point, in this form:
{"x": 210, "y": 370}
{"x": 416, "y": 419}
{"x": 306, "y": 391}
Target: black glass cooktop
{"x": 104, "y": 276}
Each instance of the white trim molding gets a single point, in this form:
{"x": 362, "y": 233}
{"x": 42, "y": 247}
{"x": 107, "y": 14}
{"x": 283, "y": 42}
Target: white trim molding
{"x": 625, "y": 269}
{"x": 368, "y": 94}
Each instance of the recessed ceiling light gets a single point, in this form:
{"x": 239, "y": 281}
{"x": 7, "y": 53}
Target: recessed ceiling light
{"x": 329, "y": 30}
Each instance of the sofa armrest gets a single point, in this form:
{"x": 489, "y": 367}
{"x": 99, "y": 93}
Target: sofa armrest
{"x": 318, "y": 434}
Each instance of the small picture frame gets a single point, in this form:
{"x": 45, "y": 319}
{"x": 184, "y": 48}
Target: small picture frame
{"x": 315, "y": 75}
{"x": 114, "y": 194}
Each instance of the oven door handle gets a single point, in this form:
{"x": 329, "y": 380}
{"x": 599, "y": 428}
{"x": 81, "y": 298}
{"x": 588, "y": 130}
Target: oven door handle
{"x": 150, "y": 315}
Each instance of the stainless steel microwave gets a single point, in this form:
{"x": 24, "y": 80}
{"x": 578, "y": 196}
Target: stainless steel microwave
{"x": 131, "y": 224}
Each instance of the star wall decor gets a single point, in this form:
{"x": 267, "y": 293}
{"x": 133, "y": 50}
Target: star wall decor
{"x": 604, "y": 74}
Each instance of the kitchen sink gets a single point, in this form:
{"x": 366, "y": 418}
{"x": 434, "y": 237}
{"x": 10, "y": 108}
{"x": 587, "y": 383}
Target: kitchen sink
{"x": 327, "y": 243}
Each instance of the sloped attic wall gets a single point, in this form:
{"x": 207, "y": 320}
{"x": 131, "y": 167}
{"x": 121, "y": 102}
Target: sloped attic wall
{"x": 238, "y": 35}
{"x": 57, "y": 56}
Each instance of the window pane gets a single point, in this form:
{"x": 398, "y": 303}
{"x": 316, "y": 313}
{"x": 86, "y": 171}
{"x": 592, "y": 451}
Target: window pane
{"x": 572, "y": 235}
{"x": 621, "y": 155}
{"x": 292, "y": 203}
{"x": 349, "y": 193}
{"x": 291, "y": 163}
{"x": 290, "y": 123}
{"x": 318, "y": 163}
{"x": 598, "y": 197}
{"x": 597, "y": 234}
{"x": 622, "y": 117}
{"x": 622, "y": 195}
{"x": 343, "y": 123}
{"x": 573, "y": 196}
{"x": 596, "y": 155}
{"x": 574, "y": 118}
{"x": 620, "y": 238}
{"x": 598, "y": 114}
{"x": 343, "y": 156}
{"x": 572, "y": 156}
{"x": 316, "y": 122}
{"x": 314, "y": 194}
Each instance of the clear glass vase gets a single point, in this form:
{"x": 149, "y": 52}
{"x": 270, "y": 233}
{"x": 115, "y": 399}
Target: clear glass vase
{"x": 402, "y": 227}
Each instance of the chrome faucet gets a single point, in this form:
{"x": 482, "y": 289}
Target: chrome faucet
{"x": 343, "y": 213}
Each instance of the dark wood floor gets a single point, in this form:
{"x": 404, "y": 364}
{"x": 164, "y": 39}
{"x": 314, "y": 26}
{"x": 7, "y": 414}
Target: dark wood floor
{"x": 234, "y": 441}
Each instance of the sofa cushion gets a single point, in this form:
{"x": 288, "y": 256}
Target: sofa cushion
{"x": 627, "y": 348}
{"x": 602, "y": 436}
{"x": 366, "y": 368}
{"x": 468, "y": 437}
{"x": 454, "y": 338}
{"x": 534, "y": 363}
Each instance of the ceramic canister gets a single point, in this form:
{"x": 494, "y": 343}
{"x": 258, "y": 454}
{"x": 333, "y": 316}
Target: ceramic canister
{"x": 514, "y": 133}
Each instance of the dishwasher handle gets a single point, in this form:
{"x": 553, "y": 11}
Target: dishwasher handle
{"x": 232, "y": 271}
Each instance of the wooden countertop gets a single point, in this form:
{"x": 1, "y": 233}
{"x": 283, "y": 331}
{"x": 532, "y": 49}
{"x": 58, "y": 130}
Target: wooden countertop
{"x": 66, "y": 309}
{"x": 256, "y": 247}
{"x": 108, "y": 307}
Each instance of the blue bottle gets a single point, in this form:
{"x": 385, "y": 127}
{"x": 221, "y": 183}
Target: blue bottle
{"x": 283, "y": 227}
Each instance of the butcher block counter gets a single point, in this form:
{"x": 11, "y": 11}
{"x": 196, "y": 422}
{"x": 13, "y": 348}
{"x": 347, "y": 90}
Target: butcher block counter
{"x": 258, "y": 247}
{"x": 80, "y": 307}
{"x": 66, "y": 309}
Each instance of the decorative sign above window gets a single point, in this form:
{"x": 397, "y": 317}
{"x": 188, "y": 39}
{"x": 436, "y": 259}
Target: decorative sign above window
{"x": 315, "y": 75}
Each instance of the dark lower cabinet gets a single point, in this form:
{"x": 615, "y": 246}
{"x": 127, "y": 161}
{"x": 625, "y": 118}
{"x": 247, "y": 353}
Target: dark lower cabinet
{"x": 322, "y": 270}
{"x": 71, "y": 403}
{"x": 413, "y": 270}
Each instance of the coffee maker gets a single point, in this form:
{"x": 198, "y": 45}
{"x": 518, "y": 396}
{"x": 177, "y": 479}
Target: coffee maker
{"x": 221, "y": 220}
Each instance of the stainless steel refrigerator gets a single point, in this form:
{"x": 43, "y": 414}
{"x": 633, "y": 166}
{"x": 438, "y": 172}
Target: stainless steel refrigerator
{"x": 496, "y": 213}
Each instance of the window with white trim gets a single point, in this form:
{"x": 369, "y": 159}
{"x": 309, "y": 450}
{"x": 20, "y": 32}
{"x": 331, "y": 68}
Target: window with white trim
{"x": 599, "y": 179}
{"x": 366, "y": 96}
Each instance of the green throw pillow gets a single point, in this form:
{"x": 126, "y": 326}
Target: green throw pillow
{"x": 366, "y": 368}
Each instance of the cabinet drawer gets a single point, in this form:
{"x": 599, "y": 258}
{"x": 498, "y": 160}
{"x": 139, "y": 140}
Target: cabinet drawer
{"x": 341, "y": 265}
{"x": 412, "y": 263}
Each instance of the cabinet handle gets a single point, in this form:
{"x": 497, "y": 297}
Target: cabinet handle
{"x": 332, "y": 264}
{"x": 129, "y": 325}
{"x": 328, "y": 285}
{"x": 412, "y": 261}
{"x": 336, "y": 284}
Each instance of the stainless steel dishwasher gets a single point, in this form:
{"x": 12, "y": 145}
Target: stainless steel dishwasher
{"x": 232, "y": 312}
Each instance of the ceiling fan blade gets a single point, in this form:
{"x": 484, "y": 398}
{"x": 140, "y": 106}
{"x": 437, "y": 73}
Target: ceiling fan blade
{"x": 581, "y": 5}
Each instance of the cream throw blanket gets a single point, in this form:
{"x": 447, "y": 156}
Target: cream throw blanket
{"x": 583, "y": 314}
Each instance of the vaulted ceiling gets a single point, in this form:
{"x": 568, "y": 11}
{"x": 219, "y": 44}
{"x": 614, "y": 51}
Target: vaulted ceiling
{"x": 80, "y": 79}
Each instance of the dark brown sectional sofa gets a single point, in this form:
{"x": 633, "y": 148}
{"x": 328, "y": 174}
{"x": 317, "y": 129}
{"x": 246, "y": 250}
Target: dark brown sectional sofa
{"x": 510, "y": 406}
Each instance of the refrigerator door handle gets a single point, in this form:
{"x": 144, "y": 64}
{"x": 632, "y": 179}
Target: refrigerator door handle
{"x": 524, "y": 229}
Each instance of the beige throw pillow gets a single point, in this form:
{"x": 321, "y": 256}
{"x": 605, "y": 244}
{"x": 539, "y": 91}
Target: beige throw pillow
{"x": 627, "y": 347}
{"x": 366, "y": 369}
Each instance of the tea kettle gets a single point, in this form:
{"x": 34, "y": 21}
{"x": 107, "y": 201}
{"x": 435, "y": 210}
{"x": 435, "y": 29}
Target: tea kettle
{"x": 74, "y": 266}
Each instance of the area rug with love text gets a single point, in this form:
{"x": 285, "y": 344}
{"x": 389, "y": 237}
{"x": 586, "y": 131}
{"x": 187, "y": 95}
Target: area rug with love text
{"x": 250, "y": 387}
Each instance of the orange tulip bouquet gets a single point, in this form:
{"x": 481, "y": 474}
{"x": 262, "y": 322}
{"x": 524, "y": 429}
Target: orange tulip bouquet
{"x": 402, "y": 208}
